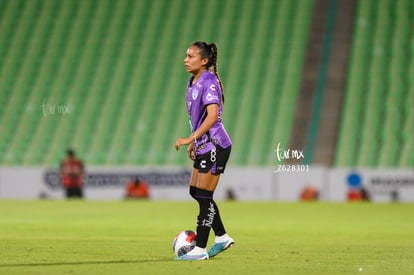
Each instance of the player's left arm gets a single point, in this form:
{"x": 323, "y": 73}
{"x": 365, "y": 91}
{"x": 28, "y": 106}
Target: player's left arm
{"x": 212, "y": 117}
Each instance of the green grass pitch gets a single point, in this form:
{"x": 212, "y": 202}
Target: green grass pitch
{"x": 134, "y": 237}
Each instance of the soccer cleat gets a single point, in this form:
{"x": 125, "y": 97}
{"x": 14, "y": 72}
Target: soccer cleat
{"x": 196, "y": 254}
{"x": 219, "y": 247}
{"x": 187, "y": 257}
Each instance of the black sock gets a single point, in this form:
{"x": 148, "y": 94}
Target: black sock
{"x": 193, "y": 191}
{"x": 205, "y": 217}
{"x": 208, "y": 217}
{"x": 218, "y": 226}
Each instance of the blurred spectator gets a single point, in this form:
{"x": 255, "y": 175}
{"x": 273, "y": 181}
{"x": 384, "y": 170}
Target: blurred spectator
{"x": 364, "y": 194}
{"x": 358, "y": 194}
{"x": 309, "y": 193}
{"x": 71, "y": 173}
{"x": 230, "y": 196}
{"x": 137, "y": 189}
{"x": 395, "y": 197}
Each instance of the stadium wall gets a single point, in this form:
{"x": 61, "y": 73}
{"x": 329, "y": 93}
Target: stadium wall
{"x": 244, "y": 183}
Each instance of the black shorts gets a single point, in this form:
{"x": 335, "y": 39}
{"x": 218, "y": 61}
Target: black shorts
{"x": 74, "y": 192}
{"x": 214, "y": 160}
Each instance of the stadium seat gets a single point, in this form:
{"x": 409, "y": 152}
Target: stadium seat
{"x": 374, "y": 130}
{"x": 117, "y": 68}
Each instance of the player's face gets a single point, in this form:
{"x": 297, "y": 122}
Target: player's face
{"x": 193, "y": 62}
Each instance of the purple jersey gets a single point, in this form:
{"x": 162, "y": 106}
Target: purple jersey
{"x": 202, "y": 93}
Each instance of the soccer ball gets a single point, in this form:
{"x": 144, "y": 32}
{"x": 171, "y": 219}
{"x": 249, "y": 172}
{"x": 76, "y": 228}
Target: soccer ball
{"x": 184, "y": 242}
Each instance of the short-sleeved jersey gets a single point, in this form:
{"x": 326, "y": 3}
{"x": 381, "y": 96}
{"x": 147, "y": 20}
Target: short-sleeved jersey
{"x": 200, "y": 94}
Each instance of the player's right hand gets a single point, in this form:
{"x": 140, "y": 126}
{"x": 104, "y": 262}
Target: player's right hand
{"x": 191, "y": 151}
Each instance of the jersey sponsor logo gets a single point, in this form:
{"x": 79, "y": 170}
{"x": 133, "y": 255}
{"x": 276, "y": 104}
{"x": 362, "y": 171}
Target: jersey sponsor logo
{"x": 212, "y": 87}
{"x": 211, "y": 97}
{"x": 194, "y": 94}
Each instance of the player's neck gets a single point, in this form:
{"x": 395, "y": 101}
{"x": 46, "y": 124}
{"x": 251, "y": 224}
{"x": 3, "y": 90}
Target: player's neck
{"x": 197, "y": 75}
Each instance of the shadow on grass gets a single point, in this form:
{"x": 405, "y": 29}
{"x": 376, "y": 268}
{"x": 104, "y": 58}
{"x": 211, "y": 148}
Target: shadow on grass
{"x": 87, "y": 263}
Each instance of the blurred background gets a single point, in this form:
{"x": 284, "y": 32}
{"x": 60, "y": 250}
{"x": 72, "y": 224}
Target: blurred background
{"x": 333, "y": 79}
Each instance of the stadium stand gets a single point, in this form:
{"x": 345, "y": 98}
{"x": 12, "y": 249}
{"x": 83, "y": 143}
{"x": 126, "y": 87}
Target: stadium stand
{"x": 377, "y": 117}
{"x": 107, "y": 78}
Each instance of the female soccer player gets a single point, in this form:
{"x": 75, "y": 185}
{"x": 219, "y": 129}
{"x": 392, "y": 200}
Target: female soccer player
{"x": 209, "y": 146}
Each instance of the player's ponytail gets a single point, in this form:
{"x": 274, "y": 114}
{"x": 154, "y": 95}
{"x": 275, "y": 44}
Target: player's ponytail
{"x": 209, "y": 51}
{"x": 214, "y": 54}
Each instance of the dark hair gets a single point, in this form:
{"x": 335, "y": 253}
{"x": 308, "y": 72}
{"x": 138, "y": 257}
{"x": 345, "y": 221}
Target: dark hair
{"x": 70, "y": 152}
{"x": 209, "y": 51}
